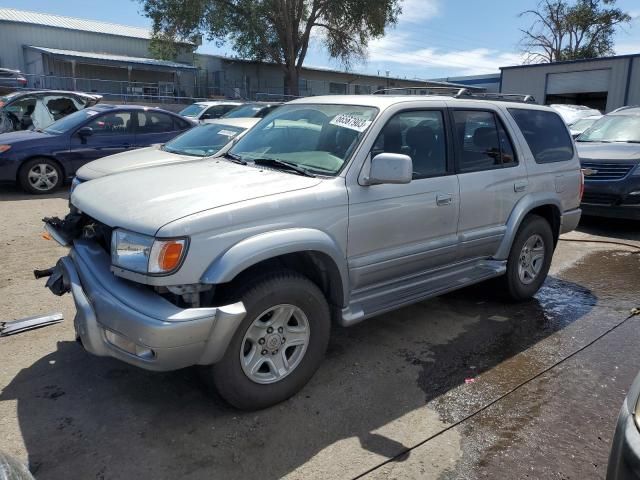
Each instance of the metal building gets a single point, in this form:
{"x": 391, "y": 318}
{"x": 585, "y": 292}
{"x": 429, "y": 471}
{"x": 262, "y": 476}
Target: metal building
{"x": 76, "y": 54}
{"x": 603, "y": 83}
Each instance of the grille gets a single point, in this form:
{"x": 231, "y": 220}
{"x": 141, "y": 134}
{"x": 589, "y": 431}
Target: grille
{"x": 600, "y": 198}
{"x": 607, "y": 171}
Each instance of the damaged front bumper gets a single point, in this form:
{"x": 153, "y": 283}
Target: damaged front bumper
{"x": 130, "y": 322}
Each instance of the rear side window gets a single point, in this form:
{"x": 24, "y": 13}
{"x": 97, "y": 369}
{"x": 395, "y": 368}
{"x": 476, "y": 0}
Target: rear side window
{"x": 481, "y": 141}
{"x": 545, "y": 133}
{"x": 154, "y": 122}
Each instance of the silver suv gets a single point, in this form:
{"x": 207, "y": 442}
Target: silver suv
{"x": 330, "y": 210}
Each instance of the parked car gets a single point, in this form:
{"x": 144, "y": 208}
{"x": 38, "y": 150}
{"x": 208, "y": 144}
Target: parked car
{"x": 624, "y": 458}
{"x": 202, "y": 141}
{"x": 610, "y": 154}
{"x": 572, "y": 113}
{"x": 581, "y": 126}
{"x": 253, "y": 109}
{"x": 29, "y": 110}
{"x": 208, "y": 110}
{"x": 331, "y": 209}
{"x": 11, "y": 80}
{"x": 40, "y": 160}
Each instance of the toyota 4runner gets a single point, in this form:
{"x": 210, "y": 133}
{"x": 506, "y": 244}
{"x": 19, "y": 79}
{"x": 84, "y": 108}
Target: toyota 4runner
{"x": 331, "y": 210}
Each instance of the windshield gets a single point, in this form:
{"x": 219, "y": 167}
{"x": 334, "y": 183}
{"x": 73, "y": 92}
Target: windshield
{"x": 319, "y": 138}
{"x": 70, "y": 121}
{"x": 192, "y": 110}
{"x": 248, "y": 111}
{"x": 203, "y": 140}
{"x": 613, "y": 128}
{"x": 582, "y": 125}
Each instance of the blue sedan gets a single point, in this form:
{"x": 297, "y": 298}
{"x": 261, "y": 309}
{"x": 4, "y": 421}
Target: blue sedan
{"x": 41, "y": 160}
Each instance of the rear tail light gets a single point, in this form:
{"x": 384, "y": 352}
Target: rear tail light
{"x": 22, "y": 80}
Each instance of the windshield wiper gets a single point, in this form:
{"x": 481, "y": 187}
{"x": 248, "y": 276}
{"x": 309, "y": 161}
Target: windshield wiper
{"x": 274, "y": 162}
{"x": 234, "y": 158}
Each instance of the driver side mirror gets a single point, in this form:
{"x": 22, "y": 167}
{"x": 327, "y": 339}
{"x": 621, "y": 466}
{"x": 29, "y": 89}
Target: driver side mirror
{"x": 85, "y": 132}
{"x": 393, "y": 168}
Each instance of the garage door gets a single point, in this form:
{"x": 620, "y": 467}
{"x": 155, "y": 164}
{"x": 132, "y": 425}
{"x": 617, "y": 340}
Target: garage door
{"x": 579, "y": 82}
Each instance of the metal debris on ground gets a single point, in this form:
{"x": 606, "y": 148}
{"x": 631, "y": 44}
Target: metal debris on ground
{"x": 31, "y": 323}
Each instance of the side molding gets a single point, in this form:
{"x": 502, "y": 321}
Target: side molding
{"x": 522, "y": 208}
{"x": 264, "y": 246}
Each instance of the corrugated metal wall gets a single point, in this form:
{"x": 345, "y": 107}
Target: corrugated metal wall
{"x": 533, "y": 79}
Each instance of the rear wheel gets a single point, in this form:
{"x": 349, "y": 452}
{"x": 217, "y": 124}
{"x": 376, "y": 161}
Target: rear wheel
{"x": 40, "y": 176}
{"x": 279, "y": 344}
{"x": 529, "y": 259}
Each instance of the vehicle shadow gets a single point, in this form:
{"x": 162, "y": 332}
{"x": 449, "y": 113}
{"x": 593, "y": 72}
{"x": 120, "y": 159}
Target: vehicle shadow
{"x": 610, "y": 227}
{"x": 14, "y": 193}
{"x": 88, "y": 417}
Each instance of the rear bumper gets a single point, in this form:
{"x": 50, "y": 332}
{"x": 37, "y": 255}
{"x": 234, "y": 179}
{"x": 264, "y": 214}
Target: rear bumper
{"x": 127, "y": 321}
{"x": 570, "y": 220}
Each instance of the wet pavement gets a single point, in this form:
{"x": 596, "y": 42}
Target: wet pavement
{"x": 462, "y": 386}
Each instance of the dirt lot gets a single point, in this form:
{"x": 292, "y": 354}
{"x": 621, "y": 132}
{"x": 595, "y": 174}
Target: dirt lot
{"x": 461, "y": 386}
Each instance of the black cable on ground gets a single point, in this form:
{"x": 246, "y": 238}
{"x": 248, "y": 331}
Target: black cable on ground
{"x": 609, "y": 242}
{"x": 634, "y": 312}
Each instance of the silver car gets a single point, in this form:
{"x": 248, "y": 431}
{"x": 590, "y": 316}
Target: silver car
{"x": 331, "y": 210}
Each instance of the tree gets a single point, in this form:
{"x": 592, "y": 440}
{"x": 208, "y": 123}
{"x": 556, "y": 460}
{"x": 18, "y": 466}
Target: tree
{"x": 278, "y": 31}
{"x": 563, "y": 31}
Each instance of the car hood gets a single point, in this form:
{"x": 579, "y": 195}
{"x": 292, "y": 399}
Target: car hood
{"x": 608, "y": 151}
{"x": 12, "y": 138}
{"x": 132, "y": 160}
{"x": 144, "y": 200}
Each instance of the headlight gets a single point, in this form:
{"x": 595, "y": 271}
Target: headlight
{"x": 145, "y": 254}
{"x": 636, "y": 171}
{"x": 4, "y": 148}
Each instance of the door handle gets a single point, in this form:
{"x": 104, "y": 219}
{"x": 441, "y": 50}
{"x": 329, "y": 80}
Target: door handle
{"x": 443, "y": 199}
{"x": 520, "y": 186}
{"x": 126, "y": 145}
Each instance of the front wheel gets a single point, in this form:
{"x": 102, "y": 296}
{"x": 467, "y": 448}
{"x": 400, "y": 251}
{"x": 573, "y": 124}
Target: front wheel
{"x": 529, "y": 259}
{"x": 278, "y": 346}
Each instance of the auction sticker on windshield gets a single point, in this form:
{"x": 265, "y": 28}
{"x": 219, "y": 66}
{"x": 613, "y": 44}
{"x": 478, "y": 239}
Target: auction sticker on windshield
{"x": 353, "y": 121}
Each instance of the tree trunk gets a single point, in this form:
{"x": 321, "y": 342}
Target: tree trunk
{"x": 291, "y": 86}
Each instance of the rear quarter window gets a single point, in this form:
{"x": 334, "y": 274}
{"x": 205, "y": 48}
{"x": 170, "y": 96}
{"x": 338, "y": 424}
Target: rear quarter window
{"x": 545, "y": 133}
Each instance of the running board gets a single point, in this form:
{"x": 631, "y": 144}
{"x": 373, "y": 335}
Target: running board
{"x": 380, "y": 299}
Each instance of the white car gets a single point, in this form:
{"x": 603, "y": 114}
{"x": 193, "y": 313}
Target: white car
{"x": 209, "y": 110}
{"x": 583, "y": 124}
{"x": 205, "y": 140}
{"x": 572, "y": 113}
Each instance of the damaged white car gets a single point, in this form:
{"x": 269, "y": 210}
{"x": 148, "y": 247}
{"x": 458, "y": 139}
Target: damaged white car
{"x": 39, "y": 109}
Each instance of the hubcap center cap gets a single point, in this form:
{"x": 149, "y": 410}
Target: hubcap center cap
{"x": 273, "y": 341}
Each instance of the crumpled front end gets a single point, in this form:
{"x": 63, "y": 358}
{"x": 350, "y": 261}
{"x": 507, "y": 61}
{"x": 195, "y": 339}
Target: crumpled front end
{"x": 132, "y": 322}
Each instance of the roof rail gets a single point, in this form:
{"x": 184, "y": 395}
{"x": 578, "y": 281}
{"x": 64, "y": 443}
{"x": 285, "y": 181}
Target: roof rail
{"x": 448, "y": 91}
{"x": 458, "y": 92}
{"x": 507, "y": 97}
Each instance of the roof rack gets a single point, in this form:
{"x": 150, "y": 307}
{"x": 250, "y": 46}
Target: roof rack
{"x": 448, "y": 91}
{"x": 507, "y": 97}
{"x": 457, "y": 92}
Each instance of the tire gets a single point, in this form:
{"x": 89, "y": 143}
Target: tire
{"x": 40, "y": 176}
{"x": 524, "y": 275}
{"x": 269, "y": 301}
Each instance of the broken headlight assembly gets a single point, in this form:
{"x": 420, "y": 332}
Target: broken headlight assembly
{"x": 146, "y": 254}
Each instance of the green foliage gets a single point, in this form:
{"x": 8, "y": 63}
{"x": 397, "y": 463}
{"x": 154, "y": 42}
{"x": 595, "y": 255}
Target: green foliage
{"x": 571, "y": 31}
{"x": 278, "y": 31}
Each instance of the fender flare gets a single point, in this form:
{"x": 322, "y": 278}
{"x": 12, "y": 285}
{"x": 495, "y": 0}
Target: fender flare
{"x": 255, "y": 249}
{"x": 519, "y": 212}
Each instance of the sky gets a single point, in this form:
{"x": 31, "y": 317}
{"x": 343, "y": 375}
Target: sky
{"x": 433, "y": 38}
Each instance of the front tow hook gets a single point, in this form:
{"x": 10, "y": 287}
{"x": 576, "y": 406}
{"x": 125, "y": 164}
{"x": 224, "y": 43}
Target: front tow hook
{"x": 57, "y": 281}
